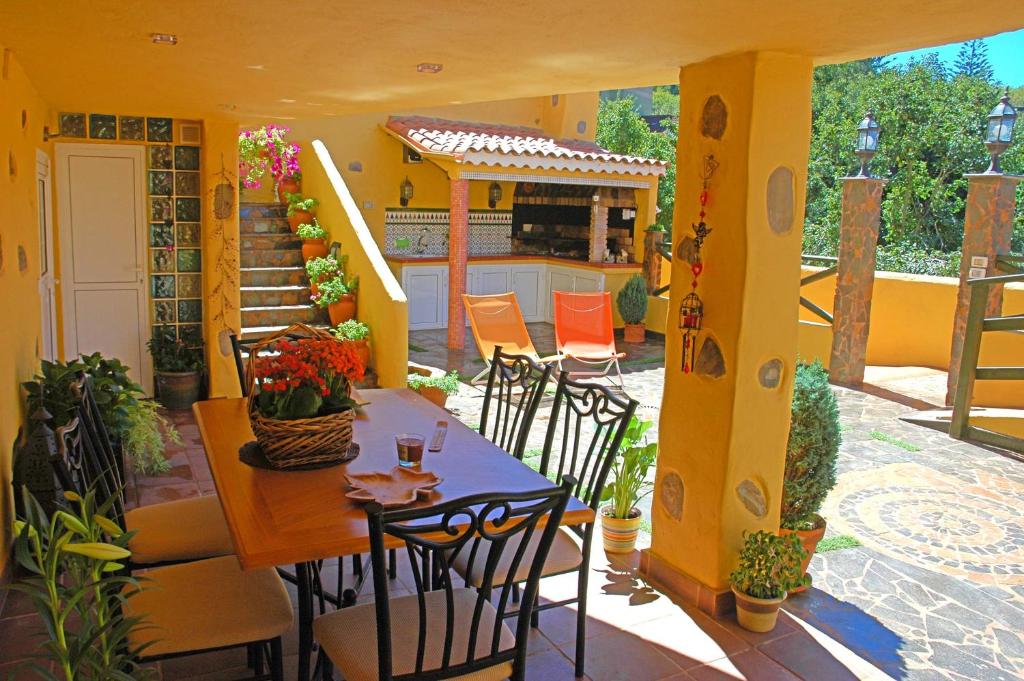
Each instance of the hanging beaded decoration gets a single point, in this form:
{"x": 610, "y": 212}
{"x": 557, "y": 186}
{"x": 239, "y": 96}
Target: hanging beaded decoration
{"x": 691, "y": 310}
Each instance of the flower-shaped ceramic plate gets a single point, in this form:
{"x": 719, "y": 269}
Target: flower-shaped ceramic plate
{"x": 398, "y": 487}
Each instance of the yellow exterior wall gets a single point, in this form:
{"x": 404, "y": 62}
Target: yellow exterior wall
{"x": 19, "y": 292}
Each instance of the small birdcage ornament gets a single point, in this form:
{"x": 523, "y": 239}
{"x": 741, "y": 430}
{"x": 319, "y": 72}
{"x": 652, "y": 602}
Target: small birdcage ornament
{"x": 691, "y": 318}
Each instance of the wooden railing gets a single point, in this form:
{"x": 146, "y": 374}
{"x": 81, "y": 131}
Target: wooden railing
{"x": 829, "y": 271}
{"x": 977, "y": 324}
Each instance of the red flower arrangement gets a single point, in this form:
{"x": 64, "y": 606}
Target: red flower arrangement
{"x": 306, "y": 378}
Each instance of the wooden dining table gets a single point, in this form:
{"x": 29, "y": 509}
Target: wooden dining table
{"x": 280, "y": 517}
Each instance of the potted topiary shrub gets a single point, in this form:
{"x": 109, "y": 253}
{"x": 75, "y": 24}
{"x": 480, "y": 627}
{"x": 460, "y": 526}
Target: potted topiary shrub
{"x": 435, "y": 388}
{"x": 313, "y": 244}
{"x": 300, "y": 210}
{"x": 355, "y": 333}
{"x": 768, "y": 569}
{"x": 178, "y": 368}
{"x": 632, "y": 301}
{"x": 620, "y": 518}
{"x": 811, "y": 456}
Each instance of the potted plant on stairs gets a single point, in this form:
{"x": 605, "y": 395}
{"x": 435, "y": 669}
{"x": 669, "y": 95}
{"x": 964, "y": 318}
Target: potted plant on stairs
{"x": 300, "y": 210}
{"x": 178, "y": 368}
{"x": 768, "y": 569}
{"x": 620, "y": 518}
{"x": 354, "y": 332}
{"x": 632, "y": 301}
{"x": 313, "y": 240}
{"x": 811, "y": 457}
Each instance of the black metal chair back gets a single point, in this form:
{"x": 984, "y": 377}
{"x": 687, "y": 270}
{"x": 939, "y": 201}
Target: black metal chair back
{"x": 588, "y": 423}
{"x": 515, "y": 387}
{"x": 507, "y": 520}
{"x": 100, "y": 464}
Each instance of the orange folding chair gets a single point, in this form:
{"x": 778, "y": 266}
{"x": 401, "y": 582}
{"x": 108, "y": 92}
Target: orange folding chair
{"x": 583, "y": 331}
{"x": 497, "y": 321}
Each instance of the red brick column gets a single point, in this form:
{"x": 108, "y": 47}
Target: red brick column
{"x": 598, "y": 232}
{"x": 458, "y": 249}
{"x": 988, "y": 224}
{"x": 855, "y": 278}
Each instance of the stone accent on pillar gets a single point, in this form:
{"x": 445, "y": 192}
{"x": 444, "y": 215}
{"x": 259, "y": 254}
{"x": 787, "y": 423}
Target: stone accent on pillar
{"x": 652, "y": 259}
{"x": 598, "y": 231}
{"x": 855, "y": 278}
{"x": 458, "y": 249}
{"x": 988, "y": 225}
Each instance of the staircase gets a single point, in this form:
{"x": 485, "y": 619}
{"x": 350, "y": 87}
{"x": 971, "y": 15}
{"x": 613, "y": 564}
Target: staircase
{"x": 274, "y": 286}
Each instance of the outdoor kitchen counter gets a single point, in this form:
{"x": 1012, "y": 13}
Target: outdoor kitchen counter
{"x": 404, "y": 260}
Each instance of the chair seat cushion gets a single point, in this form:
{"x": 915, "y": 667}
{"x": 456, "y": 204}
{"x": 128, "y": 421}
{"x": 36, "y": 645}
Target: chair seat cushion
{"x": 349, "y": 636}
{"x": 565, "y": 555}
{"x": 208, "y": 604}
{"x": 590, "y": 351}
{"x": 186, "y": 529}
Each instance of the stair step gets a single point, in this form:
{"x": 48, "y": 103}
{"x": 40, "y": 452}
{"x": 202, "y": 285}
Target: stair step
{"x": 271, "y": 258}
{"x": 271, "y": 296}
{"x": 274, "y": 276}
{"x": 253, "y": 332}
{"x": 283, "y": 314}
{"x": 264, "y": 226}
{"x": 270, "y": 242}
{"x": 262, "y": 210}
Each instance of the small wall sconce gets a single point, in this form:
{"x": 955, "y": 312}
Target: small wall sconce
{"x": 1000, "y": 131}
{"x": 405, "y": 192}
{"x": 867, "y": 142}
{"x": 493, "y": 194}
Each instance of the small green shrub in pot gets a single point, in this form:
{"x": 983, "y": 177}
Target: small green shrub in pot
{"x": 357, "y": 334}
{"x": 311, "y": 230}
{"x": 769, "y": 568}
{"x": 319, "y": 269}
{"x": 620, "y": 518}
{"x": 632, "y": 302}
{"x": 299, "y": 204}
{"x": 178, "y": 368}
{"x": 438, "y": 388}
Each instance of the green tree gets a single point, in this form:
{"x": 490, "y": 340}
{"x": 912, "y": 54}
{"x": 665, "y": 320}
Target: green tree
{"x": 972, "y": 60}
{"x": 665, "y": 100}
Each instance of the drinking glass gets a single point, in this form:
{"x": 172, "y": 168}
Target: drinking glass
{"x": 410, "y": 449}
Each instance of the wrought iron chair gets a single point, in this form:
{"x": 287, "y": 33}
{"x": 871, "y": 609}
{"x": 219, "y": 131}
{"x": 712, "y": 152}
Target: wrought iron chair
{"x": 447, "y": 632}
{"x": 515, "y": 387}
{"x": 188, "y": 608}
{"x": 588, "y": 423}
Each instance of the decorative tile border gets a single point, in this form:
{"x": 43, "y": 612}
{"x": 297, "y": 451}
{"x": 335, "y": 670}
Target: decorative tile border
{"x": 425, "y": 232}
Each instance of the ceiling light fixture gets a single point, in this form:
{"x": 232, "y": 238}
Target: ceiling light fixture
{"x": 427, "y": 67}
{"x": 164, "y": 38}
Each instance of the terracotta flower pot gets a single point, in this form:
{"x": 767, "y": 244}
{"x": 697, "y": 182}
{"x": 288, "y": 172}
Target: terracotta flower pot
{"x": 313, "y": 248}
{"x": 619, "y": 534}
{"x": 756, "y": 614}
{"x": 343, "y": 310}
{"x": 362, "y": 348}
{"x": 435, "y": 395}
{"x": 178, "y": 389}
{"x": 285, "y": 186}
{"x": 299, "y": 217}
{"x": 809, "y": 540}
{"x": 634, "y": 333}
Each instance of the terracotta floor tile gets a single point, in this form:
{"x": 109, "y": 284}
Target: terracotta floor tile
{"x": 15, "y": 604}
{"x": 559, "y": 625}
{"x": 16, "y": 671}
{"x": 21, "y": 637}
{"x": 180, "y": 473}
{"x": 550, "y": 665}
{"x": 156, "y": 495}
{"x": 805, "y": 657}
{"x": 689, "y": 643}
{"x": 748, "y": 665}
{"x": 784, "y": 627}
{"x": 623, "y": 656}
{"x": 197, "y": 666}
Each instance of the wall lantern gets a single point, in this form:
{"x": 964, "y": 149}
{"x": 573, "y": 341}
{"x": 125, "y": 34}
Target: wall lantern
{"x": 493, "y": 194}
{"x": 867, "y": 142}
{"x": 1000, "y": 131}
{"x": 405, "y": 192}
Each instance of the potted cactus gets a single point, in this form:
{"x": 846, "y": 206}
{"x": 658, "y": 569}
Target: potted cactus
{"x": 632, "y": 301}
{"x": 811, "y": 457}
{"x": 313, "y": 240}
{"x": 300, "y": 210}
{"x": 355, "y": 333}
{"x": 768, "y": 569}
{"x": 620, "y": 518}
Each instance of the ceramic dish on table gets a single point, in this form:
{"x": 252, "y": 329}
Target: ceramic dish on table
{"x": 397, "y": 487}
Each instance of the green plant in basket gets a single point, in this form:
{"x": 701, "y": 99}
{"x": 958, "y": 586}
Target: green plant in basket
{"x": 298, "y": 204}
{"x": 306, "y": 378}
{"x": 311, "y": 231}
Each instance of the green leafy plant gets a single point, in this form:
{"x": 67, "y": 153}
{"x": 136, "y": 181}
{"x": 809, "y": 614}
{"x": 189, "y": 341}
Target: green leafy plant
{"x": 320, "y": 269}
{"x": 311, "y": 231}
{"x": 813, "y": 448}
{"x": 352, "y": 329}
{"x": 331, "y": 291}
{"x": 656, "y": 228}
{"x": 173, "y": 354}
{"x": 449, "y": 383}
{"x": 50, "y": 389}
{"x": 769, "y": 565}
{"x": 265, "y": 149}
{"x": 630, "y": 467}
{"x": 632, "y": 300}
{"x": 297, "y": 204}
{"x": 76, "y": 575}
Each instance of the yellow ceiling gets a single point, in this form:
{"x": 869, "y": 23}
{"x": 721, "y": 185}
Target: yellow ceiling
{"x": 303, "y": 58}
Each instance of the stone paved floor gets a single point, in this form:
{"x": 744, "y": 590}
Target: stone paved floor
{"x": 936, "y": 589}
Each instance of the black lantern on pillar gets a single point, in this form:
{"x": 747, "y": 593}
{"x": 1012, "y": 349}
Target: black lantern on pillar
{"x": 867, "y": 142}
{"x": 493, "y": 194}
{"x": 405, "y": 192}
{"x": 691, "y": 319}
{"x": 1000, "y": 131}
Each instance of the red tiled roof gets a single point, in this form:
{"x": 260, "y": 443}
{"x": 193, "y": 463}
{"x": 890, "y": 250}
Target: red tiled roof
{"x": 512, "y": 146}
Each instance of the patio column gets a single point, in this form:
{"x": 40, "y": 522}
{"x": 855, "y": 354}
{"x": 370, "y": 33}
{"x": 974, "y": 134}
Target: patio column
{"x": 855, "y": 278}
{"x": 988, "y": 225}
{"x": 723, "y": 426}
{"x": 598, "y": 227}
{"x": 458, "y": 249}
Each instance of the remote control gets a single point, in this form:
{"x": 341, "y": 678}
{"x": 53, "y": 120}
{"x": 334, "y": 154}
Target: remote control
{"x": 437, "y": 441}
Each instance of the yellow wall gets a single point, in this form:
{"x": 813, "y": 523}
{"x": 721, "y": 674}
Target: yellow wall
{"x": 19, "y": 292}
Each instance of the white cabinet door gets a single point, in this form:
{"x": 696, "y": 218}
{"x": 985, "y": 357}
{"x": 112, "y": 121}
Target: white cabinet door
{"x": 587, "y": 282}
{"x": 491, "y": 279}
{"x": 527, "y": 283}
{"x": 425, "y": 287}
{"x": 559, "y": 279}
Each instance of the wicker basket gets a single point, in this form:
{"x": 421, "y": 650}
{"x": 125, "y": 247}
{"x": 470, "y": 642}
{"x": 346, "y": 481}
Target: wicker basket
{"x": 298, "y": 442}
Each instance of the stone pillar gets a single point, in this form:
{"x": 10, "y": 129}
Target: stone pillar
{"x": 598, "y": 231}
{"x": 723, "y": 427}
{"x": 458, "y": 250}
{"x": 988, "y": 225}
{"x": 855, "y": 278}
{"x": 652, "y": 259}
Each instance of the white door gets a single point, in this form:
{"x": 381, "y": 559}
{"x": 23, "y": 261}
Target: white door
{"x": 47, "y": 280}
{"x": 101, "y": 197}
{"x": 424, "y": 288}
{"x": 526, "y": 282}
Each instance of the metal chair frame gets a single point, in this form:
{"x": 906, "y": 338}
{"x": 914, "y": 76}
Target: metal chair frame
{"x": 515, "y": 384}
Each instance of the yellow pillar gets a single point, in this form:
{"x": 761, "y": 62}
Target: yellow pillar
{"x": 723, "y": 427}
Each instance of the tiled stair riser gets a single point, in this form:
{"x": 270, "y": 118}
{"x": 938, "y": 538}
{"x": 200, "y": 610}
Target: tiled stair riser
{"x": 272, "y": 258}
{"x": 283, "y": 316}
{"x": 264, "y": 226}
{"x": 262, "y": 210}
{"x": 274, "y": 297}
{"x": 270, "y": 242}
{"x": 282, "y": 276}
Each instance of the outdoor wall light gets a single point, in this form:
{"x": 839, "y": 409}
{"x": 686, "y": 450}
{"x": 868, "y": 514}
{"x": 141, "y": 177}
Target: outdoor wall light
{"x": 867, "y": 142}
{"x": 1000, "y": 131}
{"x": 493, "y": 194}
{"x": 405, "y": 192}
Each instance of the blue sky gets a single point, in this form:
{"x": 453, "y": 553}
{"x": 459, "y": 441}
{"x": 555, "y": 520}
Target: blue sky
{"x": 1005, "y": 53}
